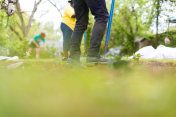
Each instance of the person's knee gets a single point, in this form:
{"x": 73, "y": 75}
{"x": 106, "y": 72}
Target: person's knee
{"x": 80, "y": 28}
{"x": 102, "y": 18}
{"x": 82, "y": 23}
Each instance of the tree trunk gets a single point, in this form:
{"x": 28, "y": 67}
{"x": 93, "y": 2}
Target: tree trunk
{"x": 24, "y": 27}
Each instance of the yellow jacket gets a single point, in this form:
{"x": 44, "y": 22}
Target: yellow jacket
{"x": 67, "y": 17}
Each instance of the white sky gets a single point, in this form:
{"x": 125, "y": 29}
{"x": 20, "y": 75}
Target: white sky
{"x": 45, "y": 12}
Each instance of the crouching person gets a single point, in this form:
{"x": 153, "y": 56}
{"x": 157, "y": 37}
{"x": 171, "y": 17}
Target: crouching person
{"x": 35, "y": 44}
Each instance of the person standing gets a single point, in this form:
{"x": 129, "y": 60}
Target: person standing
{"x": 99, "y": 10}
{"x": 67, "y": 27}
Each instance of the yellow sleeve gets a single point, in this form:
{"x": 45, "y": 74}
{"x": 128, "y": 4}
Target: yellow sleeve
{"x": 69, "y": 12}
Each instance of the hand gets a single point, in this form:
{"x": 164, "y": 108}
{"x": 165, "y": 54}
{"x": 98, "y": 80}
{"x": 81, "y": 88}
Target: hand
{"x": 11, "y": 9}
{"x": 73, "y": 16}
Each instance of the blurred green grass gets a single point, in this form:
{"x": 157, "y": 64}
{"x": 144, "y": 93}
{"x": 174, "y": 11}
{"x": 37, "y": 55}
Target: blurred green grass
{"x": 45, "y": 88}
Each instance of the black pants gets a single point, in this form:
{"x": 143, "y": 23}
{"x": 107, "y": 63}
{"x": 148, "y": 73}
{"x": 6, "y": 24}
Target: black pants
{"x": 99, "y": 10}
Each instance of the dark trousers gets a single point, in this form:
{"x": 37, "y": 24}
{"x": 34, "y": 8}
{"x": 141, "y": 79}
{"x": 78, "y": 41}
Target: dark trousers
{"x": 99, "y": 10}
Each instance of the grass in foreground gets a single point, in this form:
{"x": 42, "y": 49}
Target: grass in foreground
{"x": 46, "y": 89}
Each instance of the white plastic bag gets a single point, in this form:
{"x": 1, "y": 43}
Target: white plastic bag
{"x": 15, "y": 65}
{"x": 146, "y": 52}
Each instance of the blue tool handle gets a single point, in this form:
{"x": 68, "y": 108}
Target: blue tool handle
{"x": 110, "y": 22}
{"x": 85, "y": 37}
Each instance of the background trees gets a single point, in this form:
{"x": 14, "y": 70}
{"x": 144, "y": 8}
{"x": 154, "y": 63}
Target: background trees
{"x": 133, "y": 19}
{"x": 17, "y": 30}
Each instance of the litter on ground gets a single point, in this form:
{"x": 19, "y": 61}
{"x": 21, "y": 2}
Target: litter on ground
{"x": 9, "y": 58}
{"x": 160, "y": 53}
{"x": 15, "y": 65}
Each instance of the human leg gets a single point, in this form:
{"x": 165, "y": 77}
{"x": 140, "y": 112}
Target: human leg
{"x": 37, "y": 53}
{"x": 28, "y": 52}
{"x": 67, "y": 32}
{"x": 99, "y": 10}
{"x": 82, "y": 15}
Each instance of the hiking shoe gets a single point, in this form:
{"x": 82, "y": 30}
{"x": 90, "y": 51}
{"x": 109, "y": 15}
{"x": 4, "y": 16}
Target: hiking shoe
{"x": 74, "y": 63}
{"x": 96, "y": 60}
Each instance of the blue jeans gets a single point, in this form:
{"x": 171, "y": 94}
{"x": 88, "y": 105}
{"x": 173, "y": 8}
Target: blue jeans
{"x": 67, "y": 32}
{"x": 99, "y": 10}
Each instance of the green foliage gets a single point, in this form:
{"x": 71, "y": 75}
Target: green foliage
{"x": 130, "y": 21}
{"x": 51, "y": 32}
{"x": 136, "y": 57}
{"x": 51, "y": 52}
{"x": 9, "y": 42}
{"x": 12, "y": 42}
{"x": 117, "y": 57}
{"x": 17, "y": 48}
{"x": 171, "y": 35}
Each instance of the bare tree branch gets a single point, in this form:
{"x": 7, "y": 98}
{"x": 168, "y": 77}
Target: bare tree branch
{"x": 36, "y": 4}
{"x": 20, "y": 15}
{"x": 55, "y": 7}
{"x": 24, "y": 27}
